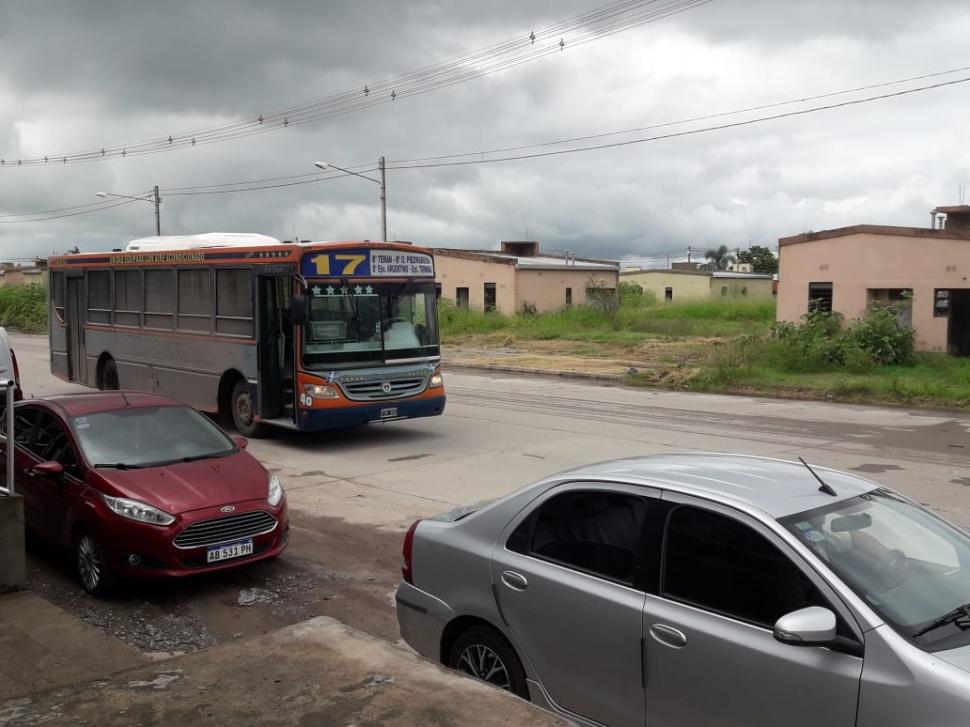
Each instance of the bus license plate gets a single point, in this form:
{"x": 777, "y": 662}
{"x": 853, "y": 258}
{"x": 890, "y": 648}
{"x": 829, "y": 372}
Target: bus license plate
{"x": 389, "y": 412}
{"x": 219, "y": 553}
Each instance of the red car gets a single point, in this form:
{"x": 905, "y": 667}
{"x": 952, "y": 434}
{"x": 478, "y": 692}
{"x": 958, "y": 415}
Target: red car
{"x": 139, "y": 485}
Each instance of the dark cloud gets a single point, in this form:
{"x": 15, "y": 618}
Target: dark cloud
{"x": 82, "y": 75}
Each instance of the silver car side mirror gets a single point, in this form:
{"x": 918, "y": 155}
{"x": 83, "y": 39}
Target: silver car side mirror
{"x": 810, "y": 626}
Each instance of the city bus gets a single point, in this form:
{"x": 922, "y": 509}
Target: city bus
{"x": 307, "y": 336}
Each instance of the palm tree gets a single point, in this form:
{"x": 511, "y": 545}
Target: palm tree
{"x": 720, "y": 257}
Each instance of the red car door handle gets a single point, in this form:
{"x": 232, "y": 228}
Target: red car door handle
{"x": 515, "y": 581}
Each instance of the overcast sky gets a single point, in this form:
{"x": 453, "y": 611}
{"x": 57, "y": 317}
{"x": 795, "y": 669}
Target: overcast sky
{"x": 81, "y": 75}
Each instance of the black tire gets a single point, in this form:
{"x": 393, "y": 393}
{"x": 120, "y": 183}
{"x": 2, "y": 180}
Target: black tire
{"x": 109, "y": 376}
{"x": 91, "y": 567}
{"x": 242, "y": 410}
{"x": 483, "y": 653}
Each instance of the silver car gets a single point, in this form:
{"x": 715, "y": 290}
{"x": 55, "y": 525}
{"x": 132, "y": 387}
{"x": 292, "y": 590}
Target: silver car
{"x": 700, "y": 590}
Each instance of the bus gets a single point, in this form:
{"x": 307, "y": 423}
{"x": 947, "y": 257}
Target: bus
{"x": 307, "y": 336}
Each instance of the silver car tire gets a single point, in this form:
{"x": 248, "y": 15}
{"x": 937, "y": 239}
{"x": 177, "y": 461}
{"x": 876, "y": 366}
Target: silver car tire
{"x": 483, "y": 653}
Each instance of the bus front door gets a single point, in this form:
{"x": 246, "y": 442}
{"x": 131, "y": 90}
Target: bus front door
{"x": 276, "y": 374}
{"x": 76, "y": 364}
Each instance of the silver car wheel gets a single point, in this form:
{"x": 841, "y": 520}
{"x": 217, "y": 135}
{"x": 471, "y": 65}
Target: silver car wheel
{"x": 89, "y": 565}
{"x": 482, "y": 663}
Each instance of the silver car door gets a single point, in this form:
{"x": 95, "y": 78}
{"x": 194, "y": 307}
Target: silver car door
{"x": 711, "y": 656}
{"x": 565, "y": 576}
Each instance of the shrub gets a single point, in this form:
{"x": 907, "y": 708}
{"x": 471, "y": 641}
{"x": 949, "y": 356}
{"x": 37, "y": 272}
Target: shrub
{"x": 883, "y": 337}
{"x": 24, "y": 308}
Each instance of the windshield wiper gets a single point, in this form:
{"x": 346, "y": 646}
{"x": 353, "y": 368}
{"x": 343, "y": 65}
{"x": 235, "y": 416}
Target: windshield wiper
{"x": 119, "y": 466}
{"x": 960, "y": 617}
{"x": 211, "y": 455}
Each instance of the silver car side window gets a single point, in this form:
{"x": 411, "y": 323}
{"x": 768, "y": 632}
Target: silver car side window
{"x": 719, "y": 564}
{"x": 593, "y": 531}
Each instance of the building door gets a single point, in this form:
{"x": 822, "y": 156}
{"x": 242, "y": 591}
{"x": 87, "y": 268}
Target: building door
{"x": 76, "y": 367}
{"x": 958, "y": 337}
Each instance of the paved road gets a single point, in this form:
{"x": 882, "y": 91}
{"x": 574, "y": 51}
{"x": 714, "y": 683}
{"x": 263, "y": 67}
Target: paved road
{"x": 352, "y": 493}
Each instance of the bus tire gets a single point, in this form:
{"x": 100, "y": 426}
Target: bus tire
{"x": 242, "y": 409}
{"x": 109, "y": 375}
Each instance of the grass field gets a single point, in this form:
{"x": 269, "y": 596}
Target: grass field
{"x": 712, "y": 346}
{"x": 24, "y": 308}
{"x": 631, "y": 324}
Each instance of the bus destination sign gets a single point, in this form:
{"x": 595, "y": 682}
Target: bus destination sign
{"x": 367, "y": 263}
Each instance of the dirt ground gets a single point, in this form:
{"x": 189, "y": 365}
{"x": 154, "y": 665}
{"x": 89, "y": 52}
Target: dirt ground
{"x": 657, "y": 361}
{"x": 336, "y": 569}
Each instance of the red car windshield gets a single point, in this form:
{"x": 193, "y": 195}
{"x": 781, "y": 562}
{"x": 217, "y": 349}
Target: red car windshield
{"x": 148, "y": 437}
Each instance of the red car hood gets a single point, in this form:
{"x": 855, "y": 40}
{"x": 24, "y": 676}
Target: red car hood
{"x": 178, "y": 488}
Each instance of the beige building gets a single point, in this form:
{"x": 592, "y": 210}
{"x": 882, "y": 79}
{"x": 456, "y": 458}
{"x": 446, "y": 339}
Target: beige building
{"x": 926, "y": 271}
{"x": 518, "y": 277}
{"x": 12, "y": 275}
{"x": 680, "y": 284}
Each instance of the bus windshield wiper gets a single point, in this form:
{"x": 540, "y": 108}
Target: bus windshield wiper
{"x": 353, "y": 299}
{"x": 960, "y": 617}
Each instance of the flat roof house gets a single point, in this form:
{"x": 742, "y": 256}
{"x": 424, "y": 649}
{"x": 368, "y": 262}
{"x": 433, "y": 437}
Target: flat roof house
{"x": 925, "y": 271}
{"x": 693, "y": 284}
{"x": 518, "y": 277}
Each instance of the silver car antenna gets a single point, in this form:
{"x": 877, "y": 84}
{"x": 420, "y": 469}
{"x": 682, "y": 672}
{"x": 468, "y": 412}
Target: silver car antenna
{"x": 823, "y": 487}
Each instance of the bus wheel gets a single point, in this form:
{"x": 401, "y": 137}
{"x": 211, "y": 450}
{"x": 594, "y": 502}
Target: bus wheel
{"x": 243, "y": 410}
{"x": 109, "y": 375}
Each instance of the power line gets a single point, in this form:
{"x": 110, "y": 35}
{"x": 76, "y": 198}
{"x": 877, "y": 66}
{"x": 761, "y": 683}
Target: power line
{"x": 71, "y": 214}
{"x": 672, "y": 135}
{"x": 581, "y": 29}
{"x": 294, "y": 180}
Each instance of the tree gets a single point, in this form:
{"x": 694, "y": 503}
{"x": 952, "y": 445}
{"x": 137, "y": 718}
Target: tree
{"x": 720, "y": 257}
{"x": 761, "y": 259}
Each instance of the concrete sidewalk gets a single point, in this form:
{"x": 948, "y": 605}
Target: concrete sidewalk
{"x": 318, "y": 672}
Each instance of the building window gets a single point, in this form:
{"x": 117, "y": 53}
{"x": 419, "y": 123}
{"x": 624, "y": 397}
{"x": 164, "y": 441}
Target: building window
{"x": 461, "y": 297}
{"x": 234, "y": 302}
{"x": 723, "y": 290}
{"x": 569, "y": 296}
{"x": 668, "y": 293}
{"x": 99, "y": 296}
{"x": 128, "y": 298}
{"x": 489, "y": 297}
{"x": 159, "y": 299}
{"x": 437, "y": 291}
{"x": 820, "y": 297}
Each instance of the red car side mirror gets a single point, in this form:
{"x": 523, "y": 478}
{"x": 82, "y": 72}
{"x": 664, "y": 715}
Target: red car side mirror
{"x": 241, "y": 442}
{"x": 51, "y": 469}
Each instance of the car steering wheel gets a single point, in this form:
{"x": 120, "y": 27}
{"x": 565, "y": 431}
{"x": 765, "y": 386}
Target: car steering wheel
{"x": 893, "y": 567}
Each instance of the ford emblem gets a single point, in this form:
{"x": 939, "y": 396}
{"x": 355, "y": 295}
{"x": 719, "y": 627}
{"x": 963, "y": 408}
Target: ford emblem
{"x": 229, "y": 508}
{"x": 386, "y": 387}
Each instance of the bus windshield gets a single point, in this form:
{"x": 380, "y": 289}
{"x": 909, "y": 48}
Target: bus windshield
{"x": 357, "y": 322}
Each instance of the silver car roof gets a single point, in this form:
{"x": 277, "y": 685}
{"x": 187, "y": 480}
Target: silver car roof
{"x": 777, "y": 487}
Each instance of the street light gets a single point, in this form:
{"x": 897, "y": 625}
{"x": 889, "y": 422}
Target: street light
{"x": 153, "y": 198}
{"x": 382, "y": 183}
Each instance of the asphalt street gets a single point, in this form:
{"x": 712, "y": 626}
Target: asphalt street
{"x": 352, "y": 493}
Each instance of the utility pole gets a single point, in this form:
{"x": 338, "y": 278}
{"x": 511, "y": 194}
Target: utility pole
{"x": 381, "y": 166}
{"x": 158, "y": 217}
{"x": 689, "y": 249}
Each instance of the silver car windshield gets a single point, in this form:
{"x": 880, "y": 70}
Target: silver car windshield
{"x": 909, "y": 565}
{"x": 148, "y": 437}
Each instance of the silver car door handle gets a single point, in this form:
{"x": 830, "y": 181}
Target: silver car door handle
{"x": 515, "y": 581}
{"x": 668, "y": 636}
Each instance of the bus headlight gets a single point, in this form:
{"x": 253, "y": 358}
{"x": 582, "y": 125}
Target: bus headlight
{"x": 436, "y": 381}
{"x": 320, "y": 391}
